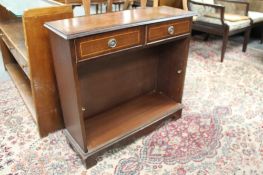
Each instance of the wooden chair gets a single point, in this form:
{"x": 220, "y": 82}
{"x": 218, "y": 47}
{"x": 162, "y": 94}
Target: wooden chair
{"x": 87, "y": 4}
{"x": 146, "y": 3}
{"x": 118, "y": 3}
{"x": 219, "y": 18}
{"x": 97, "y": 4}
{"x": 126, "y": 4}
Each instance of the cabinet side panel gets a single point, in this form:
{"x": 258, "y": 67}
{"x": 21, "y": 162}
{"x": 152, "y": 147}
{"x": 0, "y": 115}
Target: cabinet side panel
{"x": 172, "y": 68}
{"x": 65, "y": 70}
{"x": 43, "y": 82}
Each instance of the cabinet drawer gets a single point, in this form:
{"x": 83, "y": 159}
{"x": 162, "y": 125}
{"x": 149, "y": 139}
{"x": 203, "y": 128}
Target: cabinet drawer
{"x": 105, "y": 43}
{"x": 167, "y": 29}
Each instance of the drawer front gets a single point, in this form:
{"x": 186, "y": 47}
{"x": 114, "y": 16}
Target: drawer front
{"x": 167, "y": 29}
{"x": 102, "y": 44}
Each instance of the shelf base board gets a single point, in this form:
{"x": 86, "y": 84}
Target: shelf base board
{"x": 89, "y": 159}
{"x": 142, "y": 116}
{"x": 124, "y": 120}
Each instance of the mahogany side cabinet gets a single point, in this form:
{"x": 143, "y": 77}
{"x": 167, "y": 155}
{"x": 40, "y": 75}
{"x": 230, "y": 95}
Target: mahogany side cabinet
{"x": 120, "y": 75}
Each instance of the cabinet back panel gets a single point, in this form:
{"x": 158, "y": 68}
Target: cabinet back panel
{"x": 112, "y": 80}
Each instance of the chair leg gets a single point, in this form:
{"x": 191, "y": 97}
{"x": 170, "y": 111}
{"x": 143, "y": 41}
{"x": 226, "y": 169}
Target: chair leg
{"x": 261, "y": 42}
{"x": 206, "y": 37}
{"x": 225, "y": 40}
{"x": 97, "y": 8}
{"x": 246, "y": 39}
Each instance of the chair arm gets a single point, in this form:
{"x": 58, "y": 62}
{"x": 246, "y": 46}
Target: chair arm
{"x": 206, "y": 4}
{"x": 217, "y": 7}
{"x": 246, "y": 4}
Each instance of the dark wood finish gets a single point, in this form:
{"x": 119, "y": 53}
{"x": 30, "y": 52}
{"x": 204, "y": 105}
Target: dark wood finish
{"x": 90, "y": 159}
{"x": 98, "y": 3}
{"x": 160, "y": 30}
{"x": 172, "y": 68}
{"x": 27, "y": 57}
{"x": 69, "y": 91}
{"x": 121, "y": 94}
{"x": 90, "y": 25}
{"x": 258, "y": 25}
{"x": 261, "y": 34}
{"x": 144, "y": 3}
{"x": 225, "y": 40}
{"x": 105, "y": 96}
{"x": 170, "y": 3}
{"x": 118, "y": 3}
{"x": 98, "y": 44}
{"x": 221, "y": 29}
{"x": 127, "y": 118}
{"x": 156, "y": 3}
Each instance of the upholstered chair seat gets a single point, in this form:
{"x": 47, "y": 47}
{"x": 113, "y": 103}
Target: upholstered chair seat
{"x": 256, "y": 17}
{"x": 233, "y": 25}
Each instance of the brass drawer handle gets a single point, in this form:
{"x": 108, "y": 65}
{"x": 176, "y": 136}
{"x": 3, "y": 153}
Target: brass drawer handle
{"x": 112, "y": 43}
{"x": 171, "y": 30}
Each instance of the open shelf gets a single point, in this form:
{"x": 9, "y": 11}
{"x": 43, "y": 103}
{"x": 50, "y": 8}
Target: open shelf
{"x": 22, "y": 84}
{"x": 13, "y": 29}
{"x": 13, "y": 37}
{"x": 121, "y": 121}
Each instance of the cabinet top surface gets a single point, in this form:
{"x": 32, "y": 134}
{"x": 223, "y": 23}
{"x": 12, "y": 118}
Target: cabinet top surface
{"x": 89, "y": 25}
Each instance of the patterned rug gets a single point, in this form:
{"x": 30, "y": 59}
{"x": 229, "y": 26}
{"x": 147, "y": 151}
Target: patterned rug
{"x": 220, "y": 133}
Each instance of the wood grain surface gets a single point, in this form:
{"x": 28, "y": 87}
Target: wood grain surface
{"x": 89, "y": 25}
